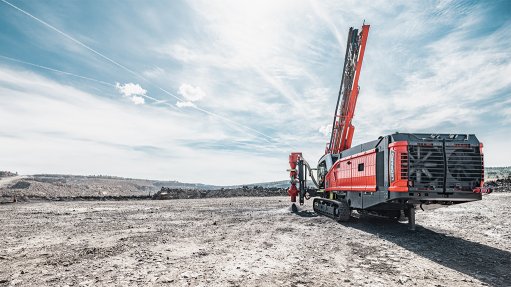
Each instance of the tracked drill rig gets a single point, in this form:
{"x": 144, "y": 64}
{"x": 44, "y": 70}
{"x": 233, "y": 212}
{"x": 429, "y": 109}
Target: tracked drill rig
{"x": 389, "y": 176}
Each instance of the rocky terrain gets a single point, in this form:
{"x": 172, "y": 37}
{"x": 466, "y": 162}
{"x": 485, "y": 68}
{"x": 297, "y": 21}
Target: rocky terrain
{"x": 494, "y": 173}
{"x": 83, "y": 231}
{"x": 500, "y": 185}
{"x": 244, "y": 191}
{"x": 57, "y": 187}
{"x": 249, "y": 242}
{"x": 70, "y": 187}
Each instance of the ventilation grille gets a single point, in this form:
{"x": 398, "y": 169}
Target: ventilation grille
{"x": 465, "y": 167}
{"x": 462, "y": 166}
{"x": 404, "y": 166}
{"x": 426, "y": 166}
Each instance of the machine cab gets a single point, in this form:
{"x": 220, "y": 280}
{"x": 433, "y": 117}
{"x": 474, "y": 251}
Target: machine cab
{"x": 324, "y": 165}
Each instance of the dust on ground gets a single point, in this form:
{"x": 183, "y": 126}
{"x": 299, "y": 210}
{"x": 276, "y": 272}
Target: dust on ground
{"x": 249, "y": 242}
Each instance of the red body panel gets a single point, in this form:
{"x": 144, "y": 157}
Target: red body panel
{"x": 398, "y": 164}
{"x": 346, "y": 176}
{"x": 293, "y": 159}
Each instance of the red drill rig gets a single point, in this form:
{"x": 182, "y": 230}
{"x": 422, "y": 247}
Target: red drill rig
{"x": 389, "y": 176}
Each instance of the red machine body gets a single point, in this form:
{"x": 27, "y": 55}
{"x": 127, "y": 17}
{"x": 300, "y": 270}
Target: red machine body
{"x": 345, "y": 173}
{"x": 391, "y": 175}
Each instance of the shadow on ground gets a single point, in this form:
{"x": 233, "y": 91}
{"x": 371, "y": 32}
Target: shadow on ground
{"x": 306, "y": 213}
{"x": 488, "y": 264}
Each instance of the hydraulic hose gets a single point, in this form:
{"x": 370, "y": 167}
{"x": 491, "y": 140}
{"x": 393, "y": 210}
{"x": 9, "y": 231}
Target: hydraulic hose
{"x": 310, "y": 173}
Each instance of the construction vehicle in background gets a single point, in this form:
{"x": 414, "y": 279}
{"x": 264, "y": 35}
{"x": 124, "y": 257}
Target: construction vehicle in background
{"x": 391, "y": 175}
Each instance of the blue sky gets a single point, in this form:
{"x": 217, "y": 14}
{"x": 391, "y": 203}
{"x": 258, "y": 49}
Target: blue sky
{"x": 221, "y": 91}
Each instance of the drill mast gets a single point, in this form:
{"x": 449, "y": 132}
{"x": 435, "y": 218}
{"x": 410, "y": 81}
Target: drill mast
{"x": 342, "y": 129}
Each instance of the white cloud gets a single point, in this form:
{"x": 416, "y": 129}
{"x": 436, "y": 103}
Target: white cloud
{"x": 134, "y": 92}
{"x": 75, "y": 131}
{"x": 154, "y": 73}
{"x": 506, "y": 112}
{"x": 250, "y": 38}
{"x": 130, "y": 89}
{"x": 179, "y": 52}
{"x": 325, "y": 130}
{"x": 137, "y": 100}
{"x": 191, "y": 93}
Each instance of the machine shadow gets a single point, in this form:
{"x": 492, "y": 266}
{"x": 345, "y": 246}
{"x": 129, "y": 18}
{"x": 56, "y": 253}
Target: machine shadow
{"x": 488, "y": 264}
{"x": 306, "y": 213}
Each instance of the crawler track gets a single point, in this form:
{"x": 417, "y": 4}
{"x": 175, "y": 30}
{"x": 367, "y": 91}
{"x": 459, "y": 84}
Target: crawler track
{"x": 338, "y": 210}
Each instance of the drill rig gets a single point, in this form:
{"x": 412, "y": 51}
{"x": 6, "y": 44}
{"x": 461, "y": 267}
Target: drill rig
{"x": 389, "y": 176}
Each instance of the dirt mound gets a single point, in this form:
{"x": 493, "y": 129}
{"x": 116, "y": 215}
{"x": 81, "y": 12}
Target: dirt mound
{"x": 499, "y": 185}
{"x": 21, "y": 185}
{"x": 70, "y": 188}
{"x": 178, "y": 193}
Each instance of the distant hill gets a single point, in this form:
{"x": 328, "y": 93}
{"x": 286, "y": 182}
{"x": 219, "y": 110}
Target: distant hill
{"x": 494, "y": 173}
{"x": 157, "y": 183}
{"x": 149, "y": 184}
{"x": 5, "y": 173}
{"x": 491, "y": 173}
{"x": 99, "y": 187}
{"x": 65, "y": 187}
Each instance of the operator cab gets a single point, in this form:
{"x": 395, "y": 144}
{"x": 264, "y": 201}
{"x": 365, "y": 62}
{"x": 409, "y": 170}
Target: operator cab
{"x": 324, "y": 165}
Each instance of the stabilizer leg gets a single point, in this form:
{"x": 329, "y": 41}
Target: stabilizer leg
{"x": 411, "y": 218}
{"x": 302, "y": 180}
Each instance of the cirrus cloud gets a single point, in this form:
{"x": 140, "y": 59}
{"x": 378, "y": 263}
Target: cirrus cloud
{"x": 184, "y": 104}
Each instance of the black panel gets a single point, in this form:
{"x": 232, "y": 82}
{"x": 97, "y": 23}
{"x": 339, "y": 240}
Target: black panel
{"x": 423, "y": 137}
{"x": 380, "y": 166}
{"x": 370, "y": 199}
{"x": 426, "y": 166}
{"x": 355, "y": 198}
{"x": 464, "y": 167}
{"x": 455, "y": 167}
{"x": 360, "y": 148}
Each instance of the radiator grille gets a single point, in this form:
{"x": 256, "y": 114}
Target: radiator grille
{"x": 404, "y": 166}
{"x": 464, "y": 167}
{"x": 426, "y": 166}
{"x": 456, "y": 167}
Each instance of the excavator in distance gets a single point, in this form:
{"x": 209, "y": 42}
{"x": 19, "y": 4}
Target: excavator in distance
{"x": 389, "y": 176}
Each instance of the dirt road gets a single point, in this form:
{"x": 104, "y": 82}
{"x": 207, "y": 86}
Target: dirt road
{"x": 249, "y": 242}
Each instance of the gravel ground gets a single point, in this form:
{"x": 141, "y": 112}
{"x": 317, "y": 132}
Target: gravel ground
{"x": 249, "y": 242}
